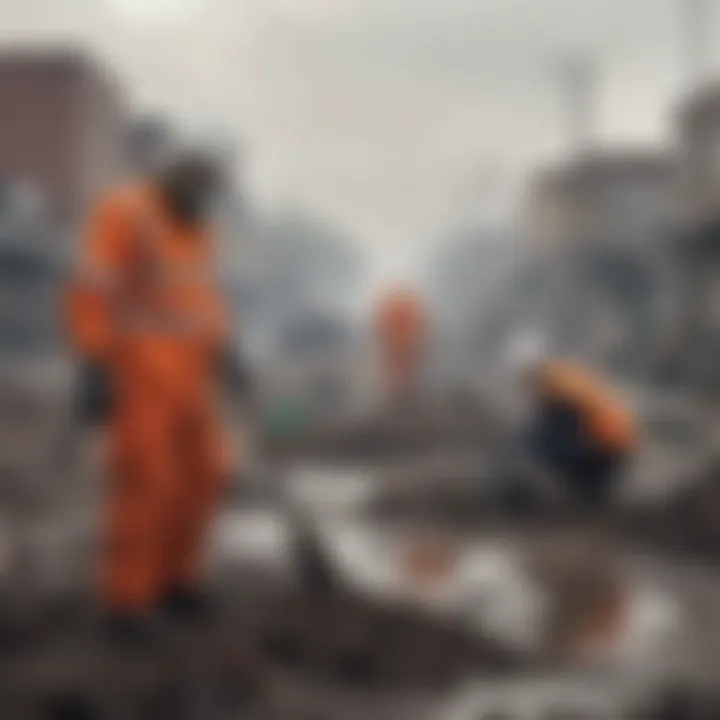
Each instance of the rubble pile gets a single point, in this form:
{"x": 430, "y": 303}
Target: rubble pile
{"x": 278, "y": 653}
{"x": 687, "y": 524}
{"x": 265, "y": 640}
{"x": 464, "y": 428}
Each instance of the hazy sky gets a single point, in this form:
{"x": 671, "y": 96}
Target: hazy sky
{"x": 391, "y": 117}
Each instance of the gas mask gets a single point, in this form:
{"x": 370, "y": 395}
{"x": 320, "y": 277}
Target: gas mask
{"x": 191, "y": 189}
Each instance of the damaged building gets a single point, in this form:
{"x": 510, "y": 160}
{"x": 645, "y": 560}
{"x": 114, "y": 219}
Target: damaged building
{"x": 692, "y": 357}
{"x": 595, "y": 277}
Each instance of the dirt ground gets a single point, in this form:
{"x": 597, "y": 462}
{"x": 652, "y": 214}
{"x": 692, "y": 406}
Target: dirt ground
{"x": 276, "y": 651}
{"x": 272, "y": 651}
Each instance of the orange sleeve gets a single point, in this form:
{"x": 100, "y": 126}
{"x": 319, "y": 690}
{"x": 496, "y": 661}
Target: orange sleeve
{"x": 612, "y": 424}
{"x": 90, "y": 296}
{"x": 610, "y": 420}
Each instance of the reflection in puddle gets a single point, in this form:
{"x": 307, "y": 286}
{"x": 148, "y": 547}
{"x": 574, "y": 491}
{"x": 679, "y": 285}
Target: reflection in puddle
{"x": 493, "y": 587}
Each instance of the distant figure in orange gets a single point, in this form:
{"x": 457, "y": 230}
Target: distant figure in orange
{"x": 402, "y": 328}
{"x": 147, "y": 320}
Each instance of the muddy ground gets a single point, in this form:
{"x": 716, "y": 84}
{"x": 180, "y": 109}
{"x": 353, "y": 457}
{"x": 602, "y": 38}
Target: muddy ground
{"x": 277, "y": 652}
{"x": 273, "y": 650}
{"x": 280, "y": 651}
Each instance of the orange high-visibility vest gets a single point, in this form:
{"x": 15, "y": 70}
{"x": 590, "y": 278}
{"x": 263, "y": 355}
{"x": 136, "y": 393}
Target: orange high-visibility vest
{"x": 608, "y": 419}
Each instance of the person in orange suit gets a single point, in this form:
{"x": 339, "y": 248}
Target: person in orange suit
{"x": 401, "y": 326}
{"x": 147, "y": 320}
{"x": 579, "y": 429}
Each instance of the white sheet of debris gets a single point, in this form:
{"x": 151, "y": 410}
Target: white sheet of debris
{"x": 258, "y": 536}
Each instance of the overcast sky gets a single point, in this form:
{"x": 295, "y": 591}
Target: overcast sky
{"x": 390, "y": 117}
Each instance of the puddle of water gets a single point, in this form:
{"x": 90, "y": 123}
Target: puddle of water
{"x": 490, "y": 587}
{"x": 486, "y": 584}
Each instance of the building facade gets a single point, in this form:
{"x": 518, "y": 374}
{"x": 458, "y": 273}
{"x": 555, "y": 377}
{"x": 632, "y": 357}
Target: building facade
{"x": 698, "y": 137}
{"x": 609, "y": 197}
{"x": 61, "y": 128}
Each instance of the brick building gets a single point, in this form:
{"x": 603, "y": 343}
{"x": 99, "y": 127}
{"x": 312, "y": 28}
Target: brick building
{"x": 61, "y": 127}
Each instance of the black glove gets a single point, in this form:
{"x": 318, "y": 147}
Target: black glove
{"x": 94, "y": 398}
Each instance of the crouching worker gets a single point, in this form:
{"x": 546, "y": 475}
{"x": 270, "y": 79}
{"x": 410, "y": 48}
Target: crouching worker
{"x": 578, "y": 431}
{"x": 148, "y": 323}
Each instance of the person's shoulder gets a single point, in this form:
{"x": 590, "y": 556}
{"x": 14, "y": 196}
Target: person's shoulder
{"x": 568, "y": 378}
{"x": 122, "y": 200}
{"x": 595, "y": 387}
{"x": 116, "y": 212}
{"x": 573, "y": 371}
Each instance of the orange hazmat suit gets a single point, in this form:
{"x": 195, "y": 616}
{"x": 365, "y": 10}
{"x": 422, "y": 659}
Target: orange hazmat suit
{"x": 144, "y": 304}
{"x": 401, "y": 328}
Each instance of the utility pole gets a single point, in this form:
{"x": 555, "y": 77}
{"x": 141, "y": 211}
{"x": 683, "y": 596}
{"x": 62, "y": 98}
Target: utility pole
{"x": 578, "y": 76}
{"x": 695, "y": 18}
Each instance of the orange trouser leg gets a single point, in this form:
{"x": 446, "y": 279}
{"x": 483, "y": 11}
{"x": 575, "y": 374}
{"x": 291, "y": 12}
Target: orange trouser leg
{"x": 144, "y": 475}
{"x": 200, "y": 450}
